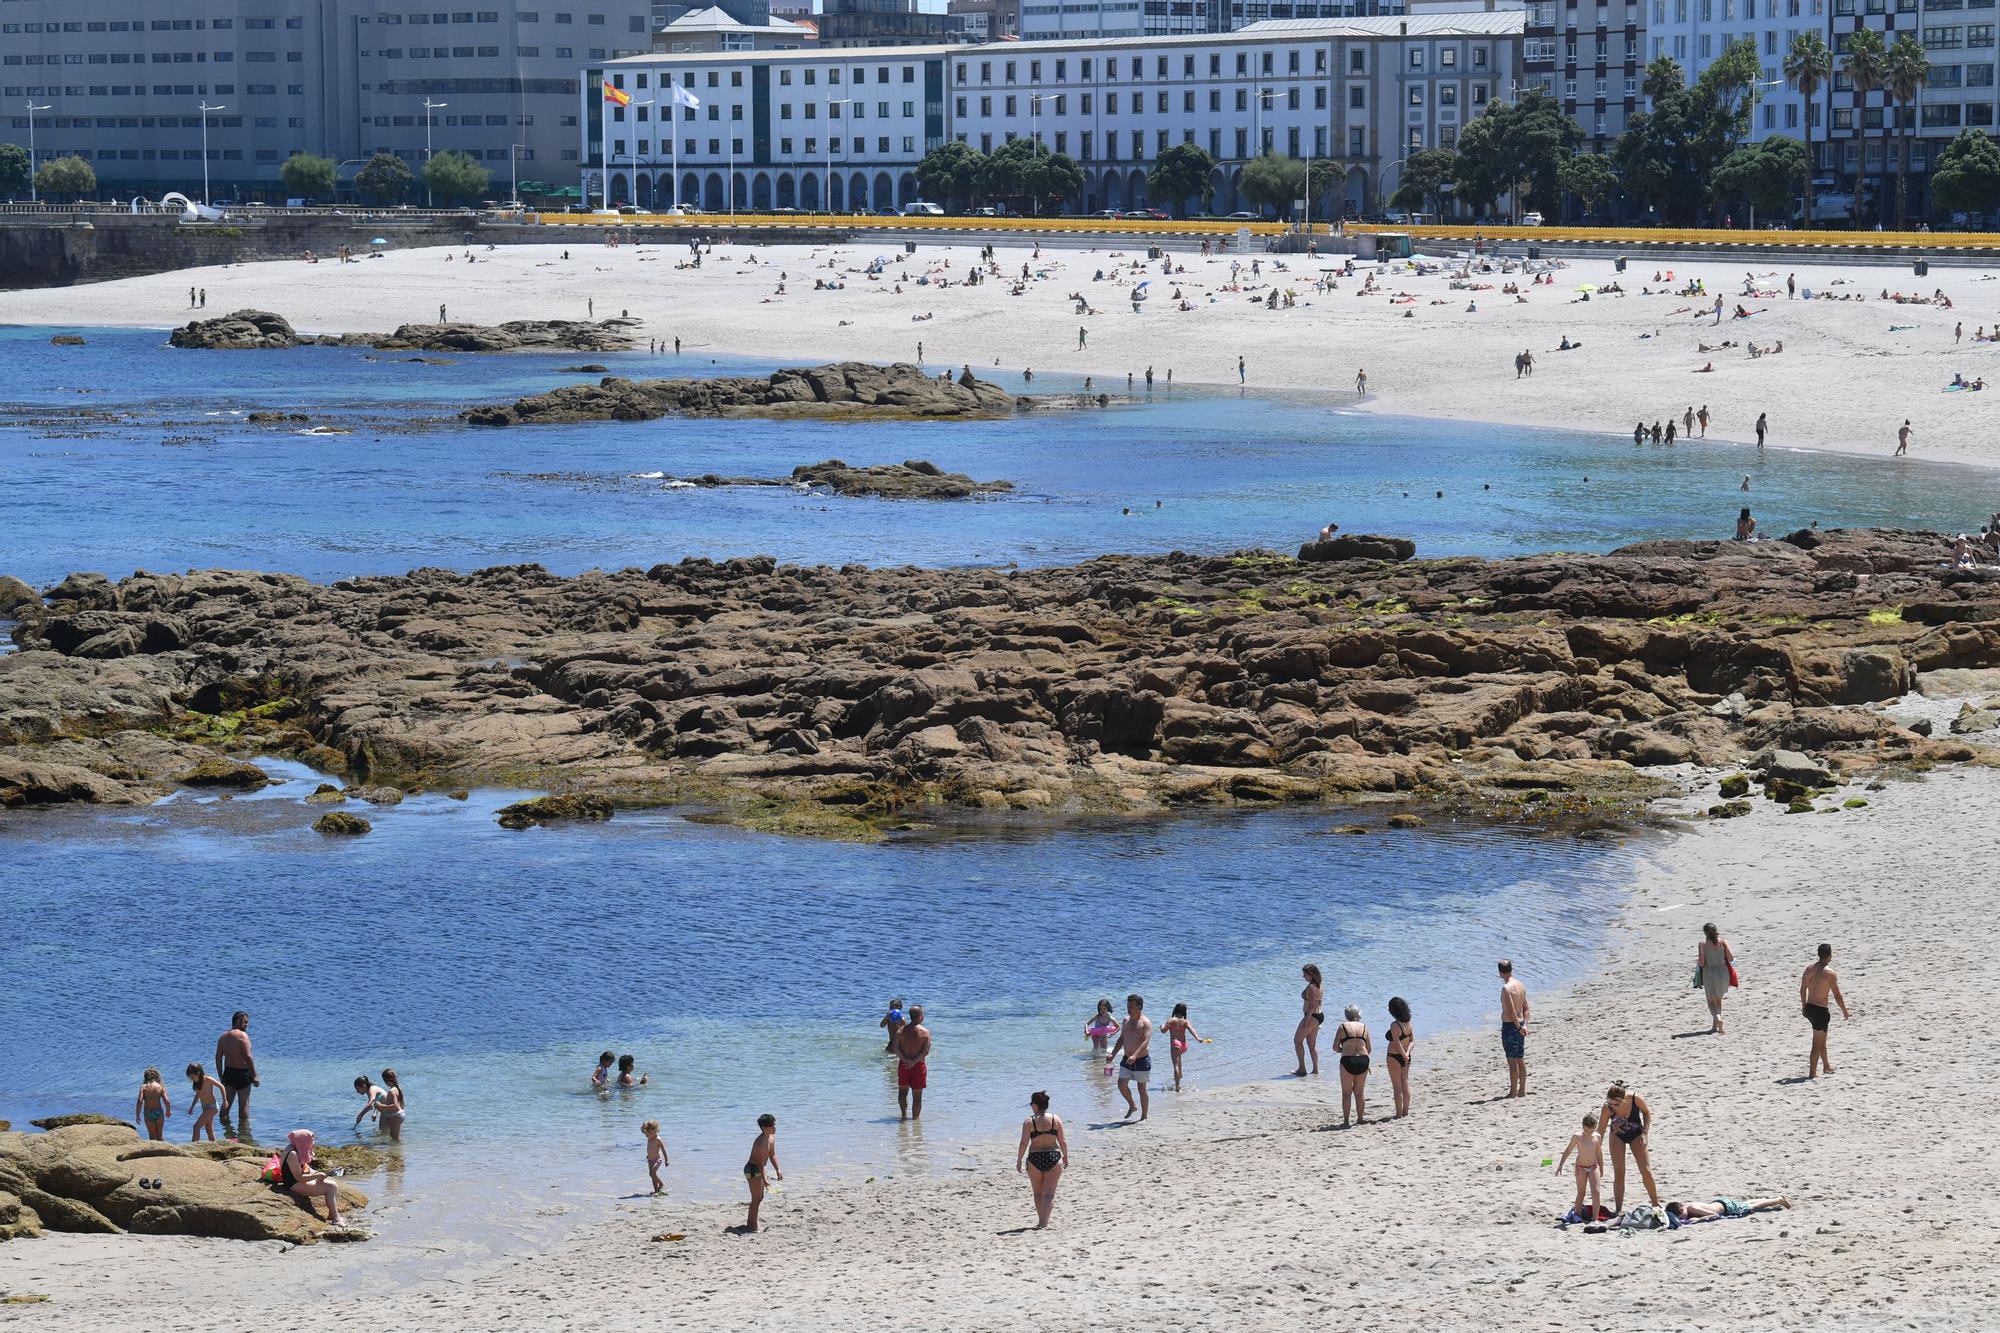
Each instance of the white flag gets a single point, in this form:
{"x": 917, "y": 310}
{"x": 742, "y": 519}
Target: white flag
{"x": 682, "y": 97}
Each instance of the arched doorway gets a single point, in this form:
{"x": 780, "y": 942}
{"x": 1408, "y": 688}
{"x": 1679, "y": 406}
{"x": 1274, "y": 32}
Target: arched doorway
{"x": 711, "y": 194}
{"x": 645, "y": 190}
{"x": 857, "y": 192}
{"x": 906, "y": 189}
{"x": 809, "y": 191}
{"x": 621, "y": 188}
{"x": 1354, "y": 193}
{"x": 760, "y": 192}
{"x": 885, "y": 191}
{"x": 788, "y": 195}
{"x": 690, "y": 189}
{"x": 836, "y": 194}
{"x": 1218, "y": 192}
{"x": 1136, "y": 188}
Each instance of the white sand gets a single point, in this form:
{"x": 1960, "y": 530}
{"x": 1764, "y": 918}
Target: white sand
{"x": 1234, "y": 1210}
{"x": 1843, "y": 382}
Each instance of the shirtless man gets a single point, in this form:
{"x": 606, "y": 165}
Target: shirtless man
{"x": 1134, "y": 1053}
{"x": 1514, "y": 1028}
{"x": 1815, "y": 986}
{"x": 238, "y": 1070}
{"x": 913, "y": 1051}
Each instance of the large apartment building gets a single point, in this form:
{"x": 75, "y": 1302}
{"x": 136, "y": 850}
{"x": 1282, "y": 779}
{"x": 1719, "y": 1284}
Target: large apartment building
{"x": 1074, "y": 20}
{"x": 122, "y": 84}
{"x": 799, "y": 128}
{"x": 1588, "y": 55}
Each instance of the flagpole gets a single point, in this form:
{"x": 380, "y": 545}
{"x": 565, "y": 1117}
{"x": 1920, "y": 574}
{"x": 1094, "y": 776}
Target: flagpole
{"x": 673, "y": 120}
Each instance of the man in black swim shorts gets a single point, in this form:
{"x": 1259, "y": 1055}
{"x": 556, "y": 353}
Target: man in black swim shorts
{"x": 237, "y": 1069}
{"x": 1818, "y": 985}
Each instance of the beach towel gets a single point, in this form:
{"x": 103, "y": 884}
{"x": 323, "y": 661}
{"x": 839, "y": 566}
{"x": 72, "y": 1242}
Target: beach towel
{"x": 1644, "y": 1217}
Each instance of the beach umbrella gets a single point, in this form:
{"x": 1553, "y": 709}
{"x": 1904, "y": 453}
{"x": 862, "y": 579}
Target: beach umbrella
{"x": 379, "y": 240}
{"x": 1586, "y": 286}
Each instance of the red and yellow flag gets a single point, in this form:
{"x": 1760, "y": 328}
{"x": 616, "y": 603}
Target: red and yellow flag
{"x": 617, "y": 95}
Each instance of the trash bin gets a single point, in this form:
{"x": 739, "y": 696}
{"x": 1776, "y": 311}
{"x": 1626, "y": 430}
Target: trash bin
{"x": 1621, "y": 263}
{"x": 1923, "y": 267}
{"x": 1152, "y": 252}
{"x": 1534, "y": 252}
{"x": 909, "y": 247}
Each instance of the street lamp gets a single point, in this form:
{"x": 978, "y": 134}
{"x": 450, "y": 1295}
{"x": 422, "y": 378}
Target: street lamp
{"x": 430, "y": 118}
{"x": 33, "y": 197}
{"x": 514, "y": 174}
{"x": 1035, "y": 101}
{"x": 637, "y": 116}
{"x": 826, "y": 201}
{"x": 205, "y": 109}
{"x": 1263, "y": 94}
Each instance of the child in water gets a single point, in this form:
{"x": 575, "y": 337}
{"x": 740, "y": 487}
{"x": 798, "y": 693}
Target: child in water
{"x": 203, "y": 1098}
{"x": 1588, "y": 1145}
{"x": 626, "y": 1077}
{"x": 153, "y": 1106}
{"x": 656, "y": 1153}
{"x": 763, "y": 1155}
{"x": 1180, "y": 1031}
{"x": 600, "y": 1077}
{"x": 1101, "y": 1028}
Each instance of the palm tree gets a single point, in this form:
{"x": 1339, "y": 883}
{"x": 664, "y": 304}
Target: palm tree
{"x": 1864, "y": 62}
{"x": 1809, "y": 65}
{"x": 1904, "y": 70}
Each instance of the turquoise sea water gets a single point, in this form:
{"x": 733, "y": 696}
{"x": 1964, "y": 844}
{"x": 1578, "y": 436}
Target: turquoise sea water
{"x": 747, "y": 972}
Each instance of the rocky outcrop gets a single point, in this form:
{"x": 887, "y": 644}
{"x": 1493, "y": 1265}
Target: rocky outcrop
{"x": 87, "y": 1177}
{"x": 824, "y": 700}
{"x": 850, "y": 390}
{"x": 246, "y": 330}
{"x": 911, "y": 480}
{"x": 1358, "y": 546}
{"x": 585, "y": 807}
{"x": 340, "y": 824}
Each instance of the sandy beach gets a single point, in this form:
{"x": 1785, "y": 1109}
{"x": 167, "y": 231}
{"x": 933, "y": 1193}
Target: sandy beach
{"x": 1248, "y": 1208}
{"x": 1850, "y": 373}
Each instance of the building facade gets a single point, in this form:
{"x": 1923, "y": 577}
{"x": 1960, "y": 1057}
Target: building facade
{"x": 1695, "y": 32}
{"x": 702, "y": 31}
{"x": 1077, "y": 20}
{"x": 879, "y": 23}
{"x": 805, "y": 129}
{"x": 344, "y": 79}
{"x": 1959, "y": 93}
{"x": 1589, "y": 56}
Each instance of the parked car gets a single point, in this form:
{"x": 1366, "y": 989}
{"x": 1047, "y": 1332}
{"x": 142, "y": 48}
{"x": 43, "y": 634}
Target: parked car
{"x": 919, "y": 208}
{"x": 1531, "y": 219}
{"x": 1240, "y": 216}
{"x": 1108, "y": 214}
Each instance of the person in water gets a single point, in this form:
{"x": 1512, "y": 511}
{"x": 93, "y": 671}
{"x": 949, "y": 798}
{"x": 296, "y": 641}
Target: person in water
{"x": 1401, "y": 1039}
{"x": 913, "y": 1054}
{"x": 628, "y": 1074}
{"x": 1305, "y": 1037}
{"x": 1180, "y": 1031}
{"x": 1352, "y": 1044}
{"x": 1043, "y": 1153}
{"x": 1587, "y": 1145}
{"x": 600, "y": 1077}
{"x": 203, "y": 1098}
{"x": 892, "y": 1022}
{"x": 153, "y": 1105}
{"x": 1101, "y": 1028}
{"x": 763, "y": 1157}
{"x": 391, "y": 1117}
{"x": 1628, "y": 1118}
{"x": 375, "y": 1100}
{"x": 1134, "y": 1050}
{"x": 656, "y": 1154}
{"x": 296, "y": 1171}
{"x": 237, "y": 1068}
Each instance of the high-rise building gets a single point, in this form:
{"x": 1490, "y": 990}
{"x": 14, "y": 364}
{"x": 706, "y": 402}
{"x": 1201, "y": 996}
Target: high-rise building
{"x": 124, "y": 83}
{"x": 879, "y": 23}
{"x": 1075, "y": 20}
{"x": 1588, "y": 55}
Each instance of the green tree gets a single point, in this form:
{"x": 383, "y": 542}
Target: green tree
{"x": 1425, "y": 174}
{"x": 386, "y": 179}
{"x": 1669, "y": 153}
{"x": 1183, "y": 172}
{"x": 13, "y": 170}
{"x": 1760, "y": 175}
{"x": 1905, "y": 70}
{"x": 1028, "y": 173}
{"x": 454, "y": 177}
{"x": 951, "y": 171}
{"x": 1663, "y": 77}
{"x": 1590, "y": 178}
{"x": 65, "y": 178}
{"x": 1966, "y": 177}
{"x": 1276, "y": 182}
{"x": 1809, "y": 66}
{"x": 1865, "y": 62}
{"x": 307, "y": 177}
{"x": 1515, "y": 149}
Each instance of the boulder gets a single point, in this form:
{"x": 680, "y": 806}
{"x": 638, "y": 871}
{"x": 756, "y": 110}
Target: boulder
{"x": 1971, "y": 719}
{"x": 1359, "y": 546}
{"x": 245, "y": 330}
{"x": 221, "y": 771}
{"x": 846, "y": 390}
{"x": 338, "y": 823}
{"x": 14, "y": 594}
{"x": 577, "y": 807}
{"x": 1791, "y": 766}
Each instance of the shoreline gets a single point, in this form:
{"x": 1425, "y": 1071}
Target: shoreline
{"x": 1814, "y": 396}
{"x": 1457, "y": 1186}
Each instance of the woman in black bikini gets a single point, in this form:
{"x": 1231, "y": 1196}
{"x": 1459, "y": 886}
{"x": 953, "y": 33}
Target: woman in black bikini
{"x": 1352, "y": 1043}
{"x": 1305, "y": 1038}
{"x": 1401, "y": 1039}
{"x": 1045, "y": 1149}
{"x": 1628, "y": 1118}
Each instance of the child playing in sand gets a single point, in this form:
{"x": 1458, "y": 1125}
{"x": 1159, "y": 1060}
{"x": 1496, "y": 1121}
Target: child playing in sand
{"x": 763, "y": 1154}
{"x": 1180, "y": 1031}
{"x": 203, "y": 1098}
{"x": 1588, "y": 1145}
{"x": 656, "y": 1153}
{"x": 153, "y": 1106}
{"x": 1101, "y": 1028}
{"x": 627, "y": 1076}
{"x": 600, "y": 1077}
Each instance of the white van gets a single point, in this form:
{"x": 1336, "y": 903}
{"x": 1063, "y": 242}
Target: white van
{"x": 919, "y": 209}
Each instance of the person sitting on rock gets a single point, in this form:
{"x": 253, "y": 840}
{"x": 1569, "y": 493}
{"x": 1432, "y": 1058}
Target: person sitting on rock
{"x": 1746, "y": 526}
{"x": 1326, "y": 533}
{"x": 296, "y": 1170}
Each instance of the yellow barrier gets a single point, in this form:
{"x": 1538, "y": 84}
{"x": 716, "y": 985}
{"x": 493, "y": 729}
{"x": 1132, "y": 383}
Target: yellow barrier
{"x": 873, "y": 222}
{"x": 1708, "y": 236}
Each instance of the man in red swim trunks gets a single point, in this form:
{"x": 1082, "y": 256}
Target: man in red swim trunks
{"x": 913, "y": 1052}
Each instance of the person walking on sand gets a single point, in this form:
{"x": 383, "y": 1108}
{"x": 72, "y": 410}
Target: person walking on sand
{"x": 1361, "y": 379}
{"x": 1180, "y": 1033}
{"x": 1133, "y": 1050}
{"x": 1791, "y": 286}
{"x": 190, "y": 298}
{"x": 1588, "y": 1146}
{"x": 153, "y": 1106}
{"x": 441, "y": 318}
{"x": 913, "y": 1053}
{"x": 1903, "y": 439}
{"x": 1352, "y": 1044}
{"x": 1818, "y": 983}
{"x": 1958, "y": 333}
{"x": 656, "y": 1154}
{"x": 1715, "y": 963}
{"x": 1305, "y": 1037}
{"x": 1628, "y": 1118}
{"x": 1082, "y": 337}
{"x": 1763, "y": 424}
{"x": 1701, "y": 419}
{"x": 204, "y": 298}
{"x": 1514, "y": 1028}
{"x": 237, "y": 1068}
{"x": 1687, "y": 423}
{"x": 1044, "y": 1153}
{"x": 1242, "y": 375}
{"x": 763, "y": 1156}
{"x": 1401, "y": 1039}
